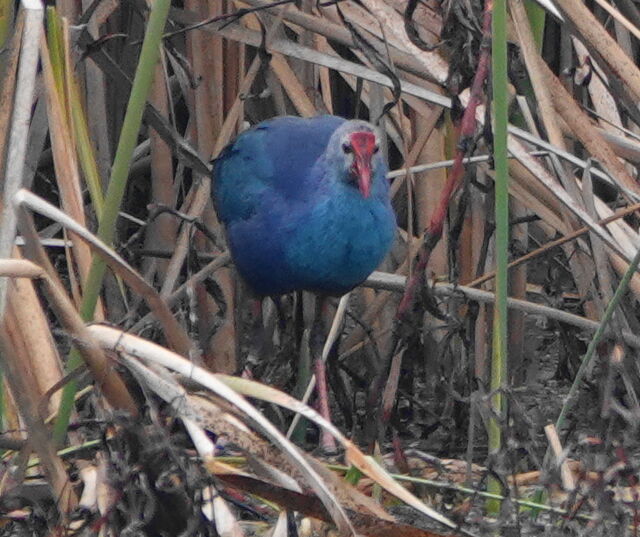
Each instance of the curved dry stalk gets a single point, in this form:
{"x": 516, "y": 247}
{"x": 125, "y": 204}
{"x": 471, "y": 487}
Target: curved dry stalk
{"x": 221, "y": 385}
{"x": 106, "y": 378}
{"x": 114, "y": 340}
{"x": 174, "y": 333}
{"x": 20, "y": 268}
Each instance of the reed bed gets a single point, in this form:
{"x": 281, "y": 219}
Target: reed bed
{"x": 484, "y": 380}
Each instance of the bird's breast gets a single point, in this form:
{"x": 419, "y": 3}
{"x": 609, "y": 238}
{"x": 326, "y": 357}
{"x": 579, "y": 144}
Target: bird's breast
{"x": 340, "y": 242}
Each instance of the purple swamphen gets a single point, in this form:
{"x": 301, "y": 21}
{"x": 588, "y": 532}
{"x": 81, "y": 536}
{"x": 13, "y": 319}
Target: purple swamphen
{"x": 305, "y": 203}
{"x": 306, "y": 207}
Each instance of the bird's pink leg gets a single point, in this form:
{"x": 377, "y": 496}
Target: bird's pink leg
{"x": 327, "y": 441}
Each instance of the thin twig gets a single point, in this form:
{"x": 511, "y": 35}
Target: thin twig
{"x": 394, "y": 282}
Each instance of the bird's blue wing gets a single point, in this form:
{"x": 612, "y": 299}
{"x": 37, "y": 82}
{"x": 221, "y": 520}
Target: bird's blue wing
{"x": 270, "y": 161}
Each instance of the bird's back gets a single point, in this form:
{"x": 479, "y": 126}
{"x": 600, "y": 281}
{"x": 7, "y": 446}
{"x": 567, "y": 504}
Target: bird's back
{"x": 274, "y": 157}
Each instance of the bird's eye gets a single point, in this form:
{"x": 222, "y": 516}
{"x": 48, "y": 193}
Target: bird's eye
{"x": 347, "y": 148}
{"x": 376, "y": 148}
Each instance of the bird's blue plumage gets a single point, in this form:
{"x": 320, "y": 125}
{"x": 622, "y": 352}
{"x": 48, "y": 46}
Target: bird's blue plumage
{"x": 294, "y": 217}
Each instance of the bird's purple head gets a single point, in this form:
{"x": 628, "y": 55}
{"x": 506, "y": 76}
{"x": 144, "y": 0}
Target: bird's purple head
{"x": 359, "y": 144}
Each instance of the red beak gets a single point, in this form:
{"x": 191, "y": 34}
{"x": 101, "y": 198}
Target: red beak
{"x": 364, "y": 146}
{"x": 363, "y": 172}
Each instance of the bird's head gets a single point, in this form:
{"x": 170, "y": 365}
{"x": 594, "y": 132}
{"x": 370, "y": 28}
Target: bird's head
{"x": 355, "y": 147}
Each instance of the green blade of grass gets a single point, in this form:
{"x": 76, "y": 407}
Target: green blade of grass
{"x": 54, "y": 41}
{"x": 501, "y": 113}
{"x": 6, "y": 20}
{"x": 537, "y": 18}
